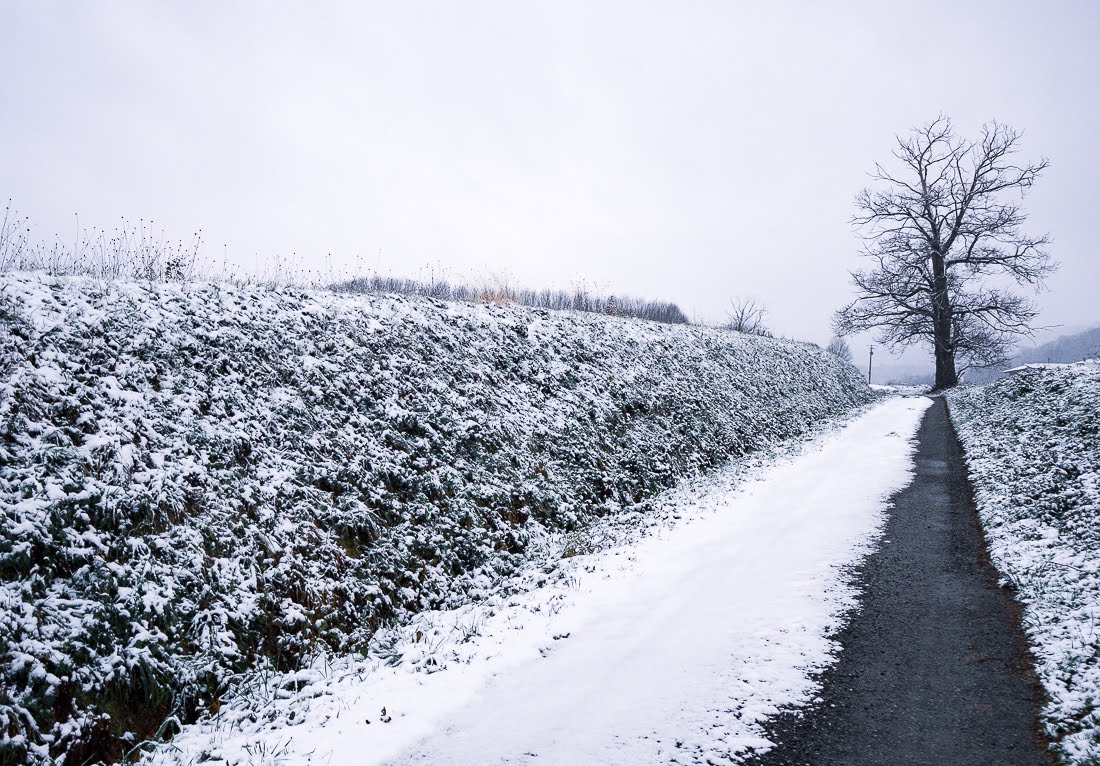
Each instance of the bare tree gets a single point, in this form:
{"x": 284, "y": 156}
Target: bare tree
{"x": 840, "y": 347}
{"x": 944, "y": 238}
{"x": 747, "y": 315}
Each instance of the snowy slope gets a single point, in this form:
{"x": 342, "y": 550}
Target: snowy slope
{"x": 1032, "y": 444}
{"x": 672, "y": 647}
{"x": 198, "y": 480}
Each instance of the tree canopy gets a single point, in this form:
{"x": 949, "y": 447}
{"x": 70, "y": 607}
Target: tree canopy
{"x": 943, "y": 234}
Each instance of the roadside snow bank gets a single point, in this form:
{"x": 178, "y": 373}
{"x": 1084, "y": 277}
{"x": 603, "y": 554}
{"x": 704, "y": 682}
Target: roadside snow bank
{"x": 198, "y": 480}
{"x": 673, "y": 643}
{"x": 1032, "y": 443}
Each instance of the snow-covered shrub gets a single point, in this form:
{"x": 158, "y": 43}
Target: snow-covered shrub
{"x": 202, "y": 479}
{"x": 1032, "y": 444}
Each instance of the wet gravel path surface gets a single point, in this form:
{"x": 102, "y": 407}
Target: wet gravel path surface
{"x": 933, "y": 669}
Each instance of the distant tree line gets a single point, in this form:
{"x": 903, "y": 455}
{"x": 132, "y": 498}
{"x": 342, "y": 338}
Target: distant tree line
{"x": 1063, "y": 349}
{"x": 578, "y": 298}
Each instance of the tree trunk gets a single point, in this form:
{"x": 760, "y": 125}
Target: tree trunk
{"x": 946, "y": 377}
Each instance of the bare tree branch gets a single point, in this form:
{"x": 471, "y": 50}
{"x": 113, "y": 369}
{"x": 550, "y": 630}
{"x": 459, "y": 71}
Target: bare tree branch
{"x": 944, "y": 240}
{"x": 747, "y": 315}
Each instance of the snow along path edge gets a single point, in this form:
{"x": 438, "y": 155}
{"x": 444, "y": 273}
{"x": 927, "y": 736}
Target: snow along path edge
{"x": 675, "y": 648}
{"x": 1034, "y": 459}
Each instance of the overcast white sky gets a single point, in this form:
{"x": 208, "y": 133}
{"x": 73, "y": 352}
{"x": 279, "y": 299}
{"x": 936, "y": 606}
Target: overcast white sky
{"x": 691, "y": 151}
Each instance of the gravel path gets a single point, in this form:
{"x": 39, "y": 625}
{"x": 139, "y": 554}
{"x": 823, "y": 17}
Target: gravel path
{"x": 934, "y": 669}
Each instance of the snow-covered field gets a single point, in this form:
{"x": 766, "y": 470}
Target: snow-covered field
{"x": 671, "y": 644}
{"x": 203, "y": 483}
{"x": 1032, "y": 443}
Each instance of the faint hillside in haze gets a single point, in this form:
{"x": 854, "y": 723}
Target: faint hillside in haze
{"x": 1063, "y": 349}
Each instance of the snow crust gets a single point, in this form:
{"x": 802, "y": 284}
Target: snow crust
{"x": 206, "y": 484}
{"x": 1032, "y": 444}
{"x": 672, "y": 644}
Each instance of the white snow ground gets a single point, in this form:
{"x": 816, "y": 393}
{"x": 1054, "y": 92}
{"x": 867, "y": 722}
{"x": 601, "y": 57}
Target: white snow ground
{"x": 673, "y": 648}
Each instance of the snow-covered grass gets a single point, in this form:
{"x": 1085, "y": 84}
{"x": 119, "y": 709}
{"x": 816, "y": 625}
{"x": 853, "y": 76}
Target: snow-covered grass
{"x": 672, "y": 641}
{"x": 900, "y": 390}
{"x": 1032, "y": 444}
{"x": 206, "y": 482}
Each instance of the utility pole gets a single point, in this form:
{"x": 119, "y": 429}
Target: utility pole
{"x": 870, "y": 356}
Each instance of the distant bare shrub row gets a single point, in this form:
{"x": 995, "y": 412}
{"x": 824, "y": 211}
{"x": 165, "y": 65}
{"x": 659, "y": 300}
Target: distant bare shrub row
{"x": 138, "y": 252}
{"x": 131, "y": 251}
{"x": 579, "y": 298}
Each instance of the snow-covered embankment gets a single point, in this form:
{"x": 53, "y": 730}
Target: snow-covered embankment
{"x": 202, "y": 480}
{"x": 1032, "y": 444}
{"x": 668, "y": 647}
